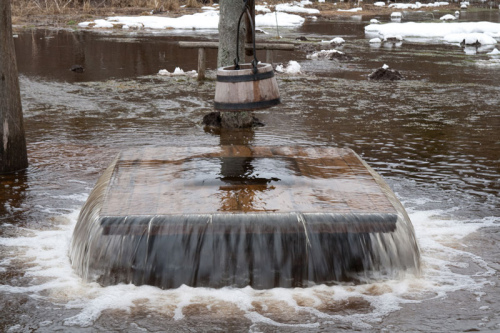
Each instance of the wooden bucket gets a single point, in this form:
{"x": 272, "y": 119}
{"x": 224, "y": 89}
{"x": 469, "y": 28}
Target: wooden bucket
{"x": 242, "y": 90}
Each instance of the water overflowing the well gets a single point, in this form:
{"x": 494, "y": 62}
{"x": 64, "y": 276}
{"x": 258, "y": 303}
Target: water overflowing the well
{"x": 239, "y": 216}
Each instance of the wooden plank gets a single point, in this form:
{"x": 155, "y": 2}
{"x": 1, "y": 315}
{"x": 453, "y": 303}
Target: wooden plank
{"x": 201, "y": 64}
{"x": 269, "y": 56}
{"x": 258, "y": 46}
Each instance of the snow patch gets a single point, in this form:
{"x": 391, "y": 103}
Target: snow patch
{"x": 262, "y": 9}
{"x": 295, "y": 8}
{"x": 205, "y": 20}
{"x": 324, "y": 54}
{"x": 336, "y": 41}
{"x": 448, "y": 17}
{"x": 96, "y": 24}
{"x": 284, "y": 19}
{"x": 416, "y": 5}
{"x": 350, "y": 10}
{"x": 177, "y": 72}
{"x": 436, "y": 30}
{"x": 293, "y": 67}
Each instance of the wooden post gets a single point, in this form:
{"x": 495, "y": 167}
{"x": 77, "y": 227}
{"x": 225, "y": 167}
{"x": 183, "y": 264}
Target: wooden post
{"x": 269, "y": 56}
{"x": 249, "y": 36}
{"x": 201, "y": 64}
{"x": 13, "y": 155}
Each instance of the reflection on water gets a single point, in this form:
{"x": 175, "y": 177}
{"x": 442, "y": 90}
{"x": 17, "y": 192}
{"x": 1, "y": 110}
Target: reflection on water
{"x": 244, "y": 179}
{"x": 52, "y": 53}
{"x": 434, "y": 137}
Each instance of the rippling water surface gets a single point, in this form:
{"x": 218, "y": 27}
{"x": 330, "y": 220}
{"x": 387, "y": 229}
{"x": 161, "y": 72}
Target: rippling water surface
{"x": 434, "y": 137}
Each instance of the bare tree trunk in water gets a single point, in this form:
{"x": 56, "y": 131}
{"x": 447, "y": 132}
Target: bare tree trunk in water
{"x": 13, "y": 156}
{"x": 230, "y": 11}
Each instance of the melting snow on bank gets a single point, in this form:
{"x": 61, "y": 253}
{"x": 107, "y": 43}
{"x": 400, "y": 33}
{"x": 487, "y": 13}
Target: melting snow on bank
{"x": 205, "y": 20}
{"x": 482, "y": 32}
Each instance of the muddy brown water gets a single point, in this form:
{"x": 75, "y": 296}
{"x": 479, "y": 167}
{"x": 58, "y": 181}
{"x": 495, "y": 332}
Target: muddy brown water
{"x": 433, "y": 136}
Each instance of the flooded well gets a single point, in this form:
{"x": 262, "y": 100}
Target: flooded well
{"x": 237, "y": 216}
{"x": 433, "y": 137}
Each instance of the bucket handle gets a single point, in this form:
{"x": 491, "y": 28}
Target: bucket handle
{"x": 246, "y": 10}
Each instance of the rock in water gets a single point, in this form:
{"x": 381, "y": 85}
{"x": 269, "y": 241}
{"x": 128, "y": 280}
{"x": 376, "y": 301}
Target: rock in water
{"x": 385, "y": 73}
{"x": 212, "y": 119}
{"x": 77, "y": 68}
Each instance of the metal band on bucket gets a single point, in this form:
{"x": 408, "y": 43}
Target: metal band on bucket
{"x": 246, "y": 106}
{"x": 245, "y": 78}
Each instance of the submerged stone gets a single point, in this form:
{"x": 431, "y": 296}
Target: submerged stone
{"x": 236, "y": 216}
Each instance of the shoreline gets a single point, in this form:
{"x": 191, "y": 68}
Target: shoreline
{"x": 71, "y": 19}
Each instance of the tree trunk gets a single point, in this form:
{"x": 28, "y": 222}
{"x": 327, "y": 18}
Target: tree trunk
{"x": 230, "y": 11}
{"x": 13, "y": 156}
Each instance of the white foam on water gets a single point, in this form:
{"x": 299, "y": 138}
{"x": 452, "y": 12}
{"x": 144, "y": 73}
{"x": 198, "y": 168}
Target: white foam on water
{"x": 440, "y": 234}
{"x": 76, "y": 197}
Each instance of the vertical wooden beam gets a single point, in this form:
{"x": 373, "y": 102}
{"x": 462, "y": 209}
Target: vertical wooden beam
{"x": 13, "y": 155}
{"x": 249, "y": 37}
{"x": 269, "y": 56}
{"x": 201, "y": 64}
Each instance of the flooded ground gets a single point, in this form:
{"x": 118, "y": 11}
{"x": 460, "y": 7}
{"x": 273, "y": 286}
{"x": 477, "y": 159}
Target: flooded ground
{"x": 433, "y": 136}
